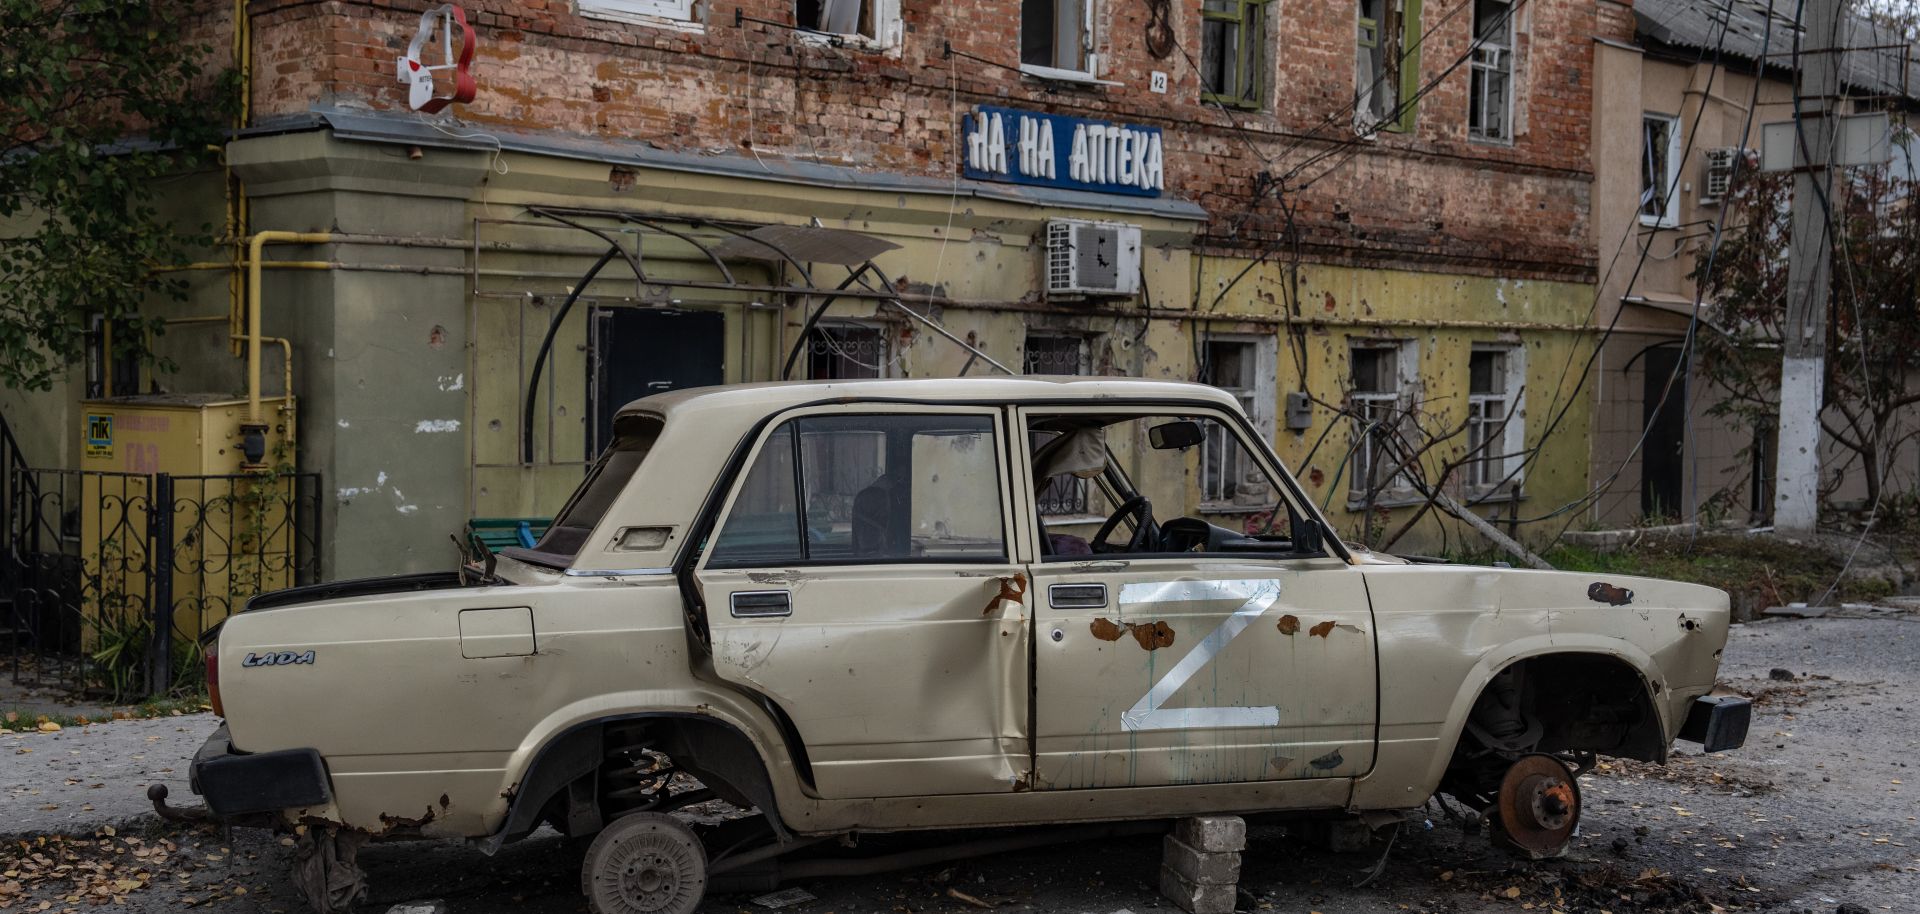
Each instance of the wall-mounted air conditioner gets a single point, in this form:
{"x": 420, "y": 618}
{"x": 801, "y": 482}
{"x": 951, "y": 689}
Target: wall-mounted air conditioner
{"x": 1718, "y": 179}
{"x": 1092, "y": 258}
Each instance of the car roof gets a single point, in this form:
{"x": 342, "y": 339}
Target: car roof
{"x": 775, "y": 396}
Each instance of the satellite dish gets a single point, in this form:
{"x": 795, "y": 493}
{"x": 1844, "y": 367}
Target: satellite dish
{"x": 417, "y": 75}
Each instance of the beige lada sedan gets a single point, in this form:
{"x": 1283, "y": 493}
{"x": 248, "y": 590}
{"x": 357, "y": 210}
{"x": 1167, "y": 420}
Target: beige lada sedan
{"x": 874, "y": 606}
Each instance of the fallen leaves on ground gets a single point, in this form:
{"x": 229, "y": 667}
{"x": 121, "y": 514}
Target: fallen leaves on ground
{"x": 68, "y": 873}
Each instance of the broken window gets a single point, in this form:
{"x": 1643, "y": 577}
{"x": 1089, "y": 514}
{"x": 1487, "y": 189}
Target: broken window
{"x": 1228, "y": 475}
{"x": 1066, "y": 495}
{"x": 1057, "y": 35}
{"x": 1387, "y": 76}
{"x": 1493, "y": 435}
{"x": 1233, "y": 51}
{"x": 1377, "y": 402}
{"x": 606, "y": 479}
{"x": 847, "y": 351}
{"x": 637, "y": 9}
{"x": 838, "y": 17}
{"x": 845, "y": 489}
{"x": 1490, "y": 97}
{"x": 1659, "y": 170}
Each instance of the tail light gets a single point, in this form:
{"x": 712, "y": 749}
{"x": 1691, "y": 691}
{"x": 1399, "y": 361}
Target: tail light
{"x": 213, "y": 678}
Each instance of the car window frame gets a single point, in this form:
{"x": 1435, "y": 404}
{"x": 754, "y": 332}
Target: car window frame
{"x": 1288, "y": 488}
{"x": 770, "y": 426}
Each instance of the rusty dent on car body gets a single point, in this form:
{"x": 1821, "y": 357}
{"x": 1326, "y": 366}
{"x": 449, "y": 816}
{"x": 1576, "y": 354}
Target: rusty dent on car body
{"x": 1610, "y": 594}
{"x": 1289, "y": 624}
{"x": 1151, "y": 635}
{"x": 1012, "y": 588}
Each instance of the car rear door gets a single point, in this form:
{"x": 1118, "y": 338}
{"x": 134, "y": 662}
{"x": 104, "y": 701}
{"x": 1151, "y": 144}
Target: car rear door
{"x": 861, "y": 580}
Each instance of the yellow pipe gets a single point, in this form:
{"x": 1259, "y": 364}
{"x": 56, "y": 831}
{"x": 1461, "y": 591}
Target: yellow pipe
{"x": 255, "y": 246}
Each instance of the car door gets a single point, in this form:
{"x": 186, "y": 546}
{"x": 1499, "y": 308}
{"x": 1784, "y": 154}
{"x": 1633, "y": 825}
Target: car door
{"x": 861, "y": 580}
{"x": 1198, "y": 668}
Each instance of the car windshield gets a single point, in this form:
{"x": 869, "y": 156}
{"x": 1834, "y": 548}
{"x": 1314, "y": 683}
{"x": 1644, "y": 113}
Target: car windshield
{"x": 633, "y": 440}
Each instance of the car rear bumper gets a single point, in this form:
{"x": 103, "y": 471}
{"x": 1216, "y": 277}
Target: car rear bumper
{"x": 237, "y": 783}
{"x": 1717, "y": 722}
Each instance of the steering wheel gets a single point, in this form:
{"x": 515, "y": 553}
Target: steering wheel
{"x": 1143, "y": 531}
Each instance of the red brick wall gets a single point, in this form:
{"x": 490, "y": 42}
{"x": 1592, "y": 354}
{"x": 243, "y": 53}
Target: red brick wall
{"x": 1428, "y": 199}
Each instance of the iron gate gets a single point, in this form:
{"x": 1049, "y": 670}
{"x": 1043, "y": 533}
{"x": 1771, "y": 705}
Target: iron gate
{"x": 97, "y": 566}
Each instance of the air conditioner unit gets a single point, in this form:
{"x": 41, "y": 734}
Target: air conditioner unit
{"x": 1718, "y": 180}
{"x": 1092, "y": 258}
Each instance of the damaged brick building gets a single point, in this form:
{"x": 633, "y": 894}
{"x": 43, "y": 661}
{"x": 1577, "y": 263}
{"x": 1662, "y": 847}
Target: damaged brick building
{"x": 1370, "y": 219}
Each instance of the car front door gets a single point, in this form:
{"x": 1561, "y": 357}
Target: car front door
{"x": 1157, "y": 668}
{"x": 861, "y": 579}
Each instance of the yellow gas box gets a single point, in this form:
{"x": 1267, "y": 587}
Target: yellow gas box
{"x": 231, "y": 533}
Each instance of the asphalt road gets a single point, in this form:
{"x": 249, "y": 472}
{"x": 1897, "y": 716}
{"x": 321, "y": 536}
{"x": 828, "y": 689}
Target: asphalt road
{"x": 1816, "y": 813}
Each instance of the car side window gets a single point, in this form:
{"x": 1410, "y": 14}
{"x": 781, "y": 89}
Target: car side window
{"x": 869, "y": 488}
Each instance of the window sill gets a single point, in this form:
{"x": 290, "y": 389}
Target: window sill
{"x": 850, "y": 42}
{"x": 1659, "y": 223}
{"x": 1497, "y": 142}
{"x": 1057, "y": 75}
{"x": 1484, "y": 496}
{"x": 668, "y": 23}
{"x": 1387, "y": 500}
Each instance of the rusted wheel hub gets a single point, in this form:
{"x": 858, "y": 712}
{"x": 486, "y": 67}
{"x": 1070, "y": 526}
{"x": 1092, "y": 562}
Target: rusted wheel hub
{"x": 1538, "y": 808}
{"x": 645, "y": 863}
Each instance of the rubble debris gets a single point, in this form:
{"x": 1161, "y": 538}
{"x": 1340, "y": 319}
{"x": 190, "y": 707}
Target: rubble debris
{"x": 784, "y": 898}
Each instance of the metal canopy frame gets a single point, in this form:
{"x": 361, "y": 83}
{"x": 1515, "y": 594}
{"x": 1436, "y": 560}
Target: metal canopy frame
{"x": 864, "y": 279}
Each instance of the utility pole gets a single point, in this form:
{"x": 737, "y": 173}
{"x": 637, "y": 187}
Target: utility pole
{"x": 1803, "y": 366}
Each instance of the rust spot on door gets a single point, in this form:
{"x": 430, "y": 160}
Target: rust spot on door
{"x": 1011, "y": 588}
{"x": 1610, "y": 594}
{"x": 1289, "y": 624}
{"x": 1321, "y": 630}
{"x": 1151, "y": 636}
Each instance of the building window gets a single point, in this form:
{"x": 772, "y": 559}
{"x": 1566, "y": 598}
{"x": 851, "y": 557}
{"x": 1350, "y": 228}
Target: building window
{"x": 1243, "y": 367}
{"x": 638, "y": 10}
{"x": 1495, "y": 379}
{"x": 847, "y": 352}
{"x": 1377, "y": 398}
{"x": 1659, "y": 170}
{"x": 1490, "y": 106}
{"x": 871, "y": 20}
{"x": 1387, "y": 75}
{"x": 1233, "y": 51}
{"x": 1049, "y": 354}
{"x": 1056, "y": 37}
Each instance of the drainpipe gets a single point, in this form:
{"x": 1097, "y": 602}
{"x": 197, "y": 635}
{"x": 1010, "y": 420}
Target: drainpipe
{"x": 254, "y": 245}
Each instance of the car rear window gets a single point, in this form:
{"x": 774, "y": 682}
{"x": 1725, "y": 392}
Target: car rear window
{"x": 633, "y": 440}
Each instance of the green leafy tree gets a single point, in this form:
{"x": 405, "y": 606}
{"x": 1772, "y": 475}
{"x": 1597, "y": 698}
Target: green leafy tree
{"x": 98, "y": 100}
{"x": 1873, "y": 326}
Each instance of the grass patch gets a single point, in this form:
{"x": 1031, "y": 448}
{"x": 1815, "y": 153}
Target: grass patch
{"x": 17, "y": 721}
{"x": 1758, "y": 571}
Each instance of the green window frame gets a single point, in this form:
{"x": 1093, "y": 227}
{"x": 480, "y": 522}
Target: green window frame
{"x": 1233, "y": 52}
{"x": 1379, "y": 111}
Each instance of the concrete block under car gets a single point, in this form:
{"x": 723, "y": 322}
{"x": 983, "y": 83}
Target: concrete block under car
{"x": 1195, "y": 898}
{"x": 1201, "y": 867}
{"x": 1212, "y": 834}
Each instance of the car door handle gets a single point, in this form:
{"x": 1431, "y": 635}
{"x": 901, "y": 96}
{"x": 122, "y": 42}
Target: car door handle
{"x": 760, "y": 604}
{"x": 1077, "y": 596}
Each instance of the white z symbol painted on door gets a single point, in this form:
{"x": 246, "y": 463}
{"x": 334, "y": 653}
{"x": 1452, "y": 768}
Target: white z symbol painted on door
{"x": 1259, "y": 595}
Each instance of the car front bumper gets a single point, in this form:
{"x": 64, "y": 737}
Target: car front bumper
{"x": 1717, "y": 722}
{"x": 237, "y": 783}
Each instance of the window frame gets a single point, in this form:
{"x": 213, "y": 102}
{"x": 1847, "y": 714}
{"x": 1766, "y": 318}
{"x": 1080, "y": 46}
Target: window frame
{"x": 1670, "y": 215}
{"x": 1492, "y": 465}
{"x": 1476, "y": 88}
{"x": 770, "y": 428}
{"x": 1400, "y": 400}
{"x": 886, "y": 23}
{"x": 1089, "y": 70}
{"x": 1251, "y": 58}
{"x": 669, "y": 13}
{"x": 1406, "y": 74}
{"x": 1260, "y": 402}
{"x": 1078, "y": 497}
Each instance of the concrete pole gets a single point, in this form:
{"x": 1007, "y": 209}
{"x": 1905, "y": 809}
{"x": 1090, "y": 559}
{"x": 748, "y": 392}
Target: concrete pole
{"x": 1796, "y": 511}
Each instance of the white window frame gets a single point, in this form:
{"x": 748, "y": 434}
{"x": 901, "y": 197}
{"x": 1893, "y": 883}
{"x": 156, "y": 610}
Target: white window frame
{"x": 677, "y": 14}
{"x": 886, "y": 35}
{"x": 1399, "y": 401}
{"x": 1260, "y": 402}
{"x": 1091, "y": 72}
{"x": 1671, "y": 216}
{"x": 1492, "y": 57}
{"x": 1491, "y": 466}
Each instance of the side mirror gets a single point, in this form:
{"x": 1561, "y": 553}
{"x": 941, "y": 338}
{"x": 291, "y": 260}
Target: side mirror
{"x": 1179, "y": 435}
{"x": 1308, "y": 535}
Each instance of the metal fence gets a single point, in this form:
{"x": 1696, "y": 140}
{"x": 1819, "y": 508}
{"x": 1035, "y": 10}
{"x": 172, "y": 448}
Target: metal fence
{"x": 107, "y": 580}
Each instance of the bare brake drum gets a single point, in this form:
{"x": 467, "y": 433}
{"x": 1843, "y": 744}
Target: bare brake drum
{"x": 1538, "y": 808}
{"x": 645, "y": 863}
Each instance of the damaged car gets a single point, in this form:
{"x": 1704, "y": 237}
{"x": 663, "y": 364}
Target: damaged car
{"x": 836, "y": 609}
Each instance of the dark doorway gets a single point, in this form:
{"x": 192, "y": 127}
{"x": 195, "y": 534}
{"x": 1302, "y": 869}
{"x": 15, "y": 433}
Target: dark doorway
{"x": 638, "y": 352}
{"x": 1663, "y": 459}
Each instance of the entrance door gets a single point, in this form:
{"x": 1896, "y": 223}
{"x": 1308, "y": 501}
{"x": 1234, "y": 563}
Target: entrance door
{"x": 1217, "y": 654}
{"x": 639, "y": 352}
{"x": 860, "y": 581}
{"x": 1663, "y": 460}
